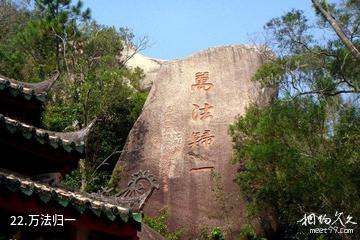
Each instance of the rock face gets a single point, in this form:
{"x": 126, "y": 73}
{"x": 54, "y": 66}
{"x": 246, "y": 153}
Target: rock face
{"x": 182, "y": 136}
{"x": 150, "y": 66}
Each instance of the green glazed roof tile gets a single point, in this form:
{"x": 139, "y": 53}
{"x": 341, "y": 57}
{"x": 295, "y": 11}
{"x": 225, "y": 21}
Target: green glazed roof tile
{"x": 137, "y": 217}
{"x": 14, "y": 91}
{"x": 124, "y": 217}
{"x": 12, "y": 185}
{"x": 110, "y": 215}
{"x": 44, "y": 196}
{"x": 80, "y": 202}
{"x": 67, "y": 147}
{"x": 96, "y": 211}
{"x": 28, "y": 90}
{"x": 28, "y": 191}
{"x": 79, "y": 207}
{"x": 28, "y": 96}
{"x": 80, "y": 148}
{"x": 63, "y": 202}
{"x": 54, "y": 139}
{"x": 27, "y": 133}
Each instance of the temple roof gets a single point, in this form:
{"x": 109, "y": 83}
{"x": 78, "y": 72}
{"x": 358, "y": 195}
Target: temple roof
{"x": 28, "y": 90}
{"x": 65, "y": 198}
{"x": 69, "y": 141}
{"x": 115, "y": 207}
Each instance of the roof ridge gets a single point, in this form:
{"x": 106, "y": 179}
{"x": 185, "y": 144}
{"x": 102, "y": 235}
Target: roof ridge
{"x": 68, "y": 140}
{"x": 129, "y": 201}
{"x": 38, "y": 90}
{"x": 79, "y": 200}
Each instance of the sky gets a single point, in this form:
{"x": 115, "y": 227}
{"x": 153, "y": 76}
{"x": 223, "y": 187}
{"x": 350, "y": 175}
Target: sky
{"x": 178, "y": 28}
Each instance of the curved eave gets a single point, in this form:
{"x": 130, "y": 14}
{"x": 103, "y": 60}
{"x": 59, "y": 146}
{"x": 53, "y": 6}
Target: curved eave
{"x": 28, "y": 91}
{"x": 80, "y": 202}
{"x": 70, "y": 141}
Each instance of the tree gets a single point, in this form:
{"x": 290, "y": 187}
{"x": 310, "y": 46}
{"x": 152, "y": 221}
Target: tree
{"x": 307, "y": 65}
{"x": 100, "y": 88}
{"x": 12, "y": 18}
{"x": 299, "y": 154}
{"x": 292, "y": 163}
{"x": 94, "y": 85}
{"x": 337, "y": 28}
{"x": 43, "y": 40}
{"x": 61, "y": 18}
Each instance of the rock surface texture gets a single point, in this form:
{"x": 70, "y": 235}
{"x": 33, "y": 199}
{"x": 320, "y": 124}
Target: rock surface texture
{"x": 182, "y": 136}
{"x": 150, "y": 66}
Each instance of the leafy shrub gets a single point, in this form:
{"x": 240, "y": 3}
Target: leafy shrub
{"x": 216, "y": 234}
{"x": 159, "y": 224}
{"x": 248, "y": 233}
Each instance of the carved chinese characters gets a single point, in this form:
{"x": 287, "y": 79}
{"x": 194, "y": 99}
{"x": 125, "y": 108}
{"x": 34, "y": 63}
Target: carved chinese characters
{"x": 201, "y": 112}
{"x": 201, "y": 79}
{"x": 205, "y": 139}
{"x": 182, "y": 135}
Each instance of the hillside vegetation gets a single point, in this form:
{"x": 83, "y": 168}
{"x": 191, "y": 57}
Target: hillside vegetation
{"x": 40, "y": 37}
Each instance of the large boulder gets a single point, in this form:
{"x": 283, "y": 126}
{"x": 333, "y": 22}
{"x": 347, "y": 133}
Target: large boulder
{"x": 150, "y": 66}
{"x": 182, "y": 136}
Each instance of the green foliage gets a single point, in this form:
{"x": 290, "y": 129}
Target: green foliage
{"x": 94, "y": 180}
{"x": 214, "y": 234}
{"x": 113, "y": 125}
{"x": 223, "y": 200}
{"x": 13, "y": 15}
{"x": 294, "y": 161}
{"x": 298, "y": 155}
{"x": 248, "y": 233}
{"x": 159, "y": 224}
{"x": 116, "y": 176}
{"x": 13, "y": 18}
{"x": 94, "y": 84}
{"x": 61, "y": 11}
{"x": 204, "y": 234}
{"x": 270, "y": 74}
{"x": 73, "y": 179}
{"x": 60, "y": 19}
{"x": 100, "y": 89}
{"x": 289, "y": 28}
{"x": 115, "y": 110}
{"x": 308, "y": 64}
{"x": 33, "y": 51}
{"x": 59, "y": 116}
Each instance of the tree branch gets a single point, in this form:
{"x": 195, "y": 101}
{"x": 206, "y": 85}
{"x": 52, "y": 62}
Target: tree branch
{"x": 324, "y": 93}
{"x": 338, "y": 30}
